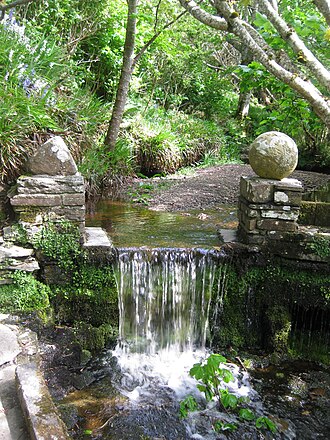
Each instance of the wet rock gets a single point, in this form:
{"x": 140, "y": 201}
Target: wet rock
{"x": 52, "y": 158}
{"x": 273, "y": 155}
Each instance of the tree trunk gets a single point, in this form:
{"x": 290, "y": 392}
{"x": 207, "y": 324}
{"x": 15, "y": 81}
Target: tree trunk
{"x": 125, "y": 77}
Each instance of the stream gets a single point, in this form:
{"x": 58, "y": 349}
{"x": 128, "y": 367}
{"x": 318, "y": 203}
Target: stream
{"x": 164, "y": 299}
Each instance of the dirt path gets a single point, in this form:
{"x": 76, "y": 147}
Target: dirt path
{"x": 208, "y": 188}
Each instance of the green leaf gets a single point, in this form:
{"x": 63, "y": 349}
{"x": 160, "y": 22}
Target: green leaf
{"x": 220, "y": 426}
{"x": 266, "y": 423}
{"x": 197, "y": 371}
{"x": 215, "y": 360}
{"x": 229, "y": 400}
{"x": 246, "y": 414}
{"x": 227, "y": 375}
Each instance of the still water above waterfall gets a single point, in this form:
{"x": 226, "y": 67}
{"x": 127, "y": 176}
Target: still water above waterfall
{"x": 138, "y": 226}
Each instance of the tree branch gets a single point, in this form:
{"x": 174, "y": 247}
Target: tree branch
{"x": 303, "y": 87}
{"x": 12, "y": 5}
{"x": 204, "y": 17}
{"x": 154, "y": 37}
{"x": 324, "y": 7}
{"x": 289, "y": 35}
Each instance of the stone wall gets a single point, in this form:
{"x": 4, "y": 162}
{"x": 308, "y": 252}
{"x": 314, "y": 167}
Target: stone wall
{"x": 268, "y": 217}
{"x": 53, "y": 190}
{"x": 267, "y": 207}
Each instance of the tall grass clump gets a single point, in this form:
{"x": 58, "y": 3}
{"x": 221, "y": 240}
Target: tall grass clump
{"x": 39, "y": 96}
{"x": 162, "y": 141}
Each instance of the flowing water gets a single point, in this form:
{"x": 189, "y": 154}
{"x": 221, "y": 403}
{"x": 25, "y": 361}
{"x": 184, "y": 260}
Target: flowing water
{"x": 164, "y": 299}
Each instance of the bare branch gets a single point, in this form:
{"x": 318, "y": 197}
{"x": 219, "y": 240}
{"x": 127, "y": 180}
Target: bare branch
{"x": 156, "y": 15}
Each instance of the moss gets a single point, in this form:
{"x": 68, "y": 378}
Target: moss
{"x": 307, "y": 213}
{"x": 95, "y": 338}
{"x": 92, "y": 297}
{"x": 252, "y": 308}
{"x": 320, "y": 245}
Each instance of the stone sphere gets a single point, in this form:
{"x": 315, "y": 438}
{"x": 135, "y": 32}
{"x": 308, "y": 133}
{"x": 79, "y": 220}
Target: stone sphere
{"x": 273, "y": 155}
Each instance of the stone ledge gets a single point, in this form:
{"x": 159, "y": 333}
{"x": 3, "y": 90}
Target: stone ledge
{"x": 39, "y": 410}
{"x": 98, "y": 245}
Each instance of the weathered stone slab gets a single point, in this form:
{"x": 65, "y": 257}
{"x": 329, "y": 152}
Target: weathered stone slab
{"x": 96, "y": 237}
{"x": 275, "y": 214}
{"x": 31, "y": 265}
{"x": 73, "y": 199}
{"x": 52, "y": 158}
{"x": 14, "y": 251}
{"x": 40, "y": 412}
{"x": 72, "y": 213}
{"x": 50, "y": 185}
{"x": 36, "y": 200}
{"x": 9, "y": 347}
{"x": 292, "y": 198}
{"x": 288, "y": 185}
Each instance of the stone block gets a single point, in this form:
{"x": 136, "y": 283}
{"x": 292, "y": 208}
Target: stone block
{"x": 36, "y": 200}
{"x": 72, "y": 213}
{"x": 288, "y": 185}
{"x": 38, "y": 408}
{"x": 257, "y": 190}
{"x": 281, "y": 215}
{"x": 73, "y": 199}
{"x": 277, "y": 225}
{"x": 52, "y": 158}
{"x": 50, "y": 185}
{"x": 250, "y": 224}
{"x": 292, "y": 198}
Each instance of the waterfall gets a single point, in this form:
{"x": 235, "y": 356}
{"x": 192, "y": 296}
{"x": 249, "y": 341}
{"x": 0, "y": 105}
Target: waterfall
{"x": 164, "y": 297}
{"x": 164, "y": 300}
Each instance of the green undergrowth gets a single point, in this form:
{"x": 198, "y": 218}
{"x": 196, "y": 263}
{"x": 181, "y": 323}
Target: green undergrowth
{"x": 25, "y": 294}
{"x": 82, "y": 293}
{"x": 40, "y": 94}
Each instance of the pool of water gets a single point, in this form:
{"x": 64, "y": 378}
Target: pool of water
{"x": 131, "y": 226}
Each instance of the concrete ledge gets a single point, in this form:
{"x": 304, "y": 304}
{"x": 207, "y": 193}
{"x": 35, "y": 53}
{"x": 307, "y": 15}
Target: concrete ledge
{"x": 39, "y": 410}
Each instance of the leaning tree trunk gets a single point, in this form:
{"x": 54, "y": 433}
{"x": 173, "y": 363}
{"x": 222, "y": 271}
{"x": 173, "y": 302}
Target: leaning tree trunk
{"x": 125, "y": 77}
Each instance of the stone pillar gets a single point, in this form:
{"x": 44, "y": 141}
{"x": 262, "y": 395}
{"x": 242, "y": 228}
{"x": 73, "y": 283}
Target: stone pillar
{"x": 55, "y": 190}
{"x": 268, "y": 207}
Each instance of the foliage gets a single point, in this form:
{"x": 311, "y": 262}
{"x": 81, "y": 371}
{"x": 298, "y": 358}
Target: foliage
{"x": 59, "y": 241}
{"x": 320, "y": 246}
{"x": 275, "y": 292}
{"x": 25, "y": 294}
{"x": 40, "y": 94}
{"x": 95, "y": 338}
{"x": 212, "y": 376}
{"x": 187, "y": 405}
{"x": 91, "y": 297}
